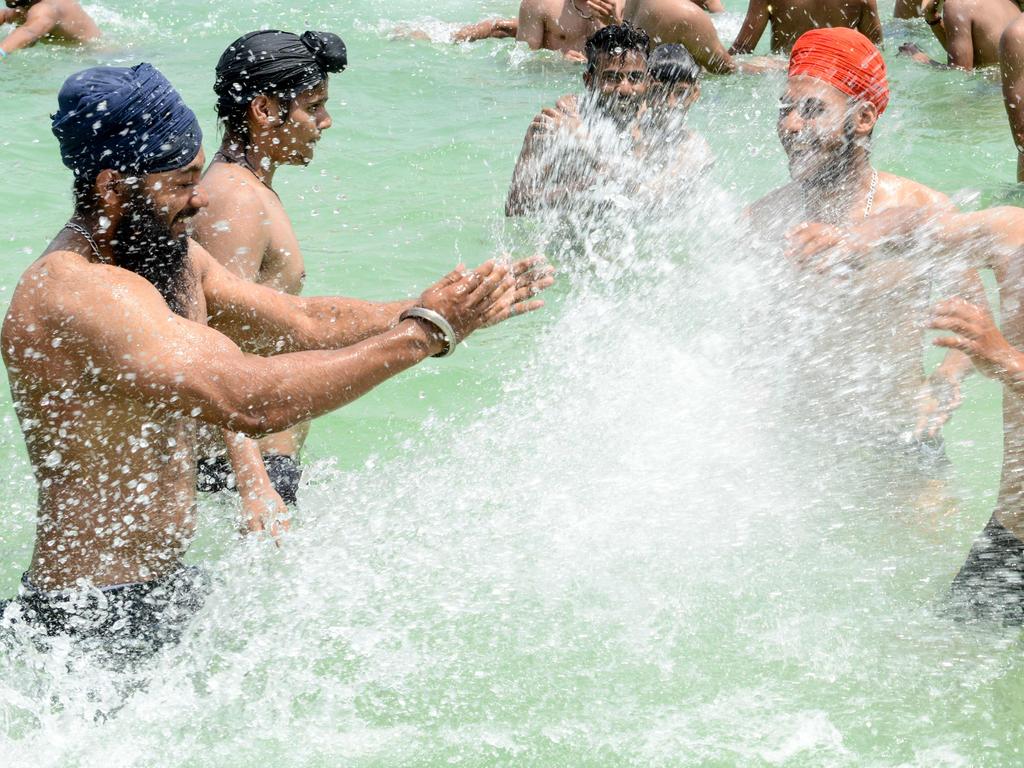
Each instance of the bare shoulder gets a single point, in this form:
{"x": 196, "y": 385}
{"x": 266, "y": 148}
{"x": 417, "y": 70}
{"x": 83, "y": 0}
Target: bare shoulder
{"x": 900, "y": 191}
{"x": 231, "y": 187}
{"x": 769, "y": 205}
{"x": 545, "y": 9}
{"x": 48, "y": 11}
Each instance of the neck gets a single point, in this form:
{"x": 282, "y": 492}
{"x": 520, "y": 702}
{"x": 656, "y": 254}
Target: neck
{"x": 251, "y": 156}
{"x": 839, "y": 197}
{"x": 99, "y": 227}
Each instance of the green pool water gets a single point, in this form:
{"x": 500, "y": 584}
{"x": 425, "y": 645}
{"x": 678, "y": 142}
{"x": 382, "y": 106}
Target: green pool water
{"x": 585, "y": 540}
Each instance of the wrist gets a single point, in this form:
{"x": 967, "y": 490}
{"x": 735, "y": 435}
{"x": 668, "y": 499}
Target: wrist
{"x": 424, "y": 336}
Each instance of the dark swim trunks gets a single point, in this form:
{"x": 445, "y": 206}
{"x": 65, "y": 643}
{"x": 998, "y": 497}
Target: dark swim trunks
{"x": 128, "y": 622}
{"x": 215, "y": 474}
{"x": 990, "y": 584}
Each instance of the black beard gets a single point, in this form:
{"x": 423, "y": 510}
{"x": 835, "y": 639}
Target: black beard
{"x": 831, "y": 173}
{"x": 146, "y": 246}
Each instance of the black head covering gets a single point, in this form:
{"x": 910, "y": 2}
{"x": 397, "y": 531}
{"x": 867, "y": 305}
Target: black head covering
{"x": 672, "y": 63}
{"x": 275, "y": 63}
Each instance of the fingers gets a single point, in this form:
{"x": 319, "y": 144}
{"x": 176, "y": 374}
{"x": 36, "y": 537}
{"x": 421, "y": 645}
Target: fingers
{"x": 491, "y": 287}
{"x": 954, "y": 342}
{"x": 956, "y": 324}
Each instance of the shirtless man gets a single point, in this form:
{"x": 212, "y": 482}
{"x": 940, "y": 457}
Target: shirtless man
{"x": 1011, "y": 64}
{"x": 969, "y": 30}
{"x": 560, "y": 21}
{"x": 111, "y": 362}
{"x": 791, "y": 18}
{"x": 678, "y": 21}
{"x": 45, "y": 19}
{"x": 835, "y": 94}
{"x": 616, "y": 80}
{"x": 272, "y": 95}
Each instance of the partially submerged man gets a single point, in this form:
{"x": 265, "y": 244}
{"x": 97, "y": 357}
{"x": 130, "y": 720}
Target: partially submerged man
{"x": 791, "y": 18}
{"x": 556, "y": 24}
{"x": 1011, "y": 64}
{"x": 969, "y": 31}
{"x": 874, "y": 390}
{"x": 676, "y": 21}
{"x": 111, "y": 362}
{"x": 272, "y": 91}
{"x": 58, "y": 20}
{"x": 558, "y": 159}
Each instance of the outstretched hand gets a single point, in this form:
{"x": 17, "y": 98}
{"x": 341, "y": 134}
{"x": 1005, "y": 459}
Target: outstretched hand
{"x": 532, "y": 275}
{"x": 937, "y": 400}
{"x": 977, "y": 336}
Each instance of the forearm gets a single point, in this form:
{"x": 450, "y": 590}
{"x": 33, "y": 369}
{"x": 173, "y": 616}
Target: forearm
{"x": 337, "y": 322}
{"x": 18, "y": 39}
{"x": 247, "y": 462}
{"x": 265, "y": 395}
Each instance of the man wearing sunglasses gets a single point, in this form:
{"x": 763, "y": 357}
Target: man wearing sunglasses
{"x": 862, "y": 327}
{"x": 615, "y": 81}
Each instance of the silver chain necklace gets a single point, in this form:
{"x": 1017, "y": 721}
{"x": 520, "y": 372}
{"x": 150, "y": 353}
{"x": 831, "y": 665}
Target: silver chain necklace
{"x": 76, "y": 227}
{"x": 871, "y": 193}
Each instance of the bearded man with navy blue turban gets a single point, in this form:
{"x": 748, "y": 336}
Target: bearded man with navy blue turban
{"x": 116, "y": 346}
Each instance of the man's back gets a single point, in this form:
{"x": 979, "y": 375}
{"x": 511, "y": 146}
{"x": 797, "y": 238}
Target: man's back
{"x": 682, "y": 22}
{"x": 973, "y": 29}
{"x": 790, "y": 19}
{"x": 116, "y": 475}
{"x": 53, "y": 19}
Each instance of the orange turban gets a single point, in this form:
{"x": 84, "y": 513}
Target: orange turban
{"x": 845, "y": 59}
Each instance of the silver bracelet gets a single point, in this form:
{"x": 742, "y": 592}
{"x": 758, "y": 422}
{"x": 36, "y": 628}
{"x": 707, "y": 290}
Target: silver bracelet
{"x": 438, "y": 321}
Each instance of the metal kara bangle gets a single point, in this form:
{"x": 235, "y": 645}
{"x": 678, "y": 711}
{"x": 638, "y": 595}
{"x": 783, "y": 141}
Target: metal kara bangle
{"x": 437, "y": 320}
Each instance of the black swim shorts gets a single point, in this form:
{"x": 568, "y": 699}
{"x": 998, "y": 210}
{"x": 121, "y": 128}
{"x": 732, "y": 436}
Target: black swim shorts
{"x": 990, "y": 585}
{"x": 130, "y": 622}
{"x": 215, "y": 474}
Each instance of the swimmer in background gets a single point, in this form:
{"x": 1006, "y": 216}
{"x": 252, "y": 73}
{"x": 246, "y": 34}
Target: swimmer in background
{"x": 1011, "y": 66}
{"x": 835, "y": 94}
{"x": 36, "y": 20}
{"x": 791, "y": 18}
{"x": 272, "y": 91}
{"x": 557, "y": 24}
{"x": 969, "y": 31}
{"x": 683, "y": 22}
{"x": 674, "y": 153}
{"x": 615, "y": 79}
{"x": 117, "y": 342}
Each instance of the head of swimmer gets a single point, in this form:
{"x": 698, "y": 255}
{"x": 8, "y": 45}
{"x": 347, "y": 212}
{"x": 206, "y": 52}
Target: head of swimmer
{"x": 145, "y": 219}
{"x": 674, "y": 84}
{"x": 823, "y": 130}
{"x": 21, "y": 4}
{"x": 284, "y": 128}
{"x": 616, "y": 71}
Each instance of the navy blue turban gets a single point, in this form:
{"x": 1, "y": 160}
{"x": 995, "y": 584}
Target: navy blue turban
{"x": 127, "y": 119}
{"x": 275, "y": 63}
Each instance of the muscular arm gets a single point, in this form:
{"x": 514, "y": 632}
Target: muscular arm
{"x": 265, "y": 321}
{"x": 753, "y": 27}
{"x": 870, "y": 25}
{"x": 959, "y": 43}
{"x": 175, "y": 364}
{"x": 531, "y": 24}
{"x": 1011, "y": 63}
{"x": 39, "y": 22}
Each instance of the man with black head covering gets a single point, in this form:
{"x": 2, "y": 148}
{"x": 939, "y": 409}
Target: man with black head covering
{"x": 272, "y": 91}
{"x": 115, "y": 347}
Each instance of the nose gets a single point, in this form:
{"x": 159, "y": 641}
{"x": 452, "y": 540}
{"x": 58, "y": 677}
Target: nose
{"x": 325, "y": 122}
{"x": 199, "y": 198}
{"x": 791, "y": 123}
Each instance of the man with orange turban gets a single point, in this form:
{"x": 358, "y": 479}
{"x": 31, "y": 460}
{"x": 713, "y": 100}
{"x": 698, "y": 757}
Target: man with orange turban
{"x": 874, "y": 391}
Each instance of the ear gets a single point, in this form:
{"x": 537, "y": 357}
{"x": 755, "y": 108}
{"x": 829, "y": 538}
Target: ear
{"x": 264, "y": 111}
{"x": 693, "y": 95}
{"x": 867, "y": 116}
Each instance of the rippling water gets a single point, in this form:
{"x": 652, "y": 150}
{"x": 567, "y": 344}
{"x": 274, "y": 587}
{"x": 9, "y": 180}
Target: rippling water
{"x": 594, "y": 537}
